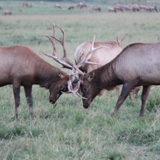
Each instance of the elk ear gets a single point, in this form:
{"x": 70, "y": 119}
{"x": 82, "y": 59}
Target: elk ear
{"x": 60, "y": 75}
{"x": 91, "y": 76}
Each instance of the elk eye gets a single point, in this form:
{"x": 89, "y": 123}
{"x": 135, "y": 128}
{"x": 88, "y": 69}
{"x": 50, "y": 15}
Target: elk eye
{"x": 61, "y": 87}
{"x": 84, "y": 89}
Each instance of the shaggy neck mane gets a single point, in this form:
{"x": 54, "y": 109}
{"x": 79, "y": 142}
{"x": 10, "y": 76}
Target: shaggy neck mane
{"x": 106, "y": 76}
{"x": 44, "y": 78}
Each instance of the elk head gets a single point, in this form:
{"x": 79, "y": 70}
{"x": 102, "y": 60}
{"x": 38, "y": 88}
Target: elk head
{"x": 74, "y": 80}
{"x": 83, "y": 81}
{"x": 89, "y": 88}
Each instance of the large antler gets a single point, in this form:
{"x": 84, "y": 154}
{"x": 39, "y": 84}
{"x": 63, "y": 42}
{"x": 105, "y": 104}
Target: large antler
{"x": 92, "y": 49}
{"x": 64, "y": 61}
{"x": 120, "y": 42}
{"x": 53, "y": 55}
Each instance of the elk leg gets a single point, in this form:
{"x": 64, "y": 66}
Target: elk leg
{"x": 124, "y": 93}
{"x": 145, "y": 93}
{"x": 16, "y": 92}
{"x": 117, "y": 90}
{"x": 28, "y": 94}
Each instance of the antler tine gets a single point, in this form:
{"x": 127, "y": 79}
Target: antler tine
{"x": 76, "y": 89}
{"x": 62, "y": 42}
{"x": 124, "y": 38}
{"x": 52, "y": 42}
{"x": 65, "y": 65}
{"x": 54, "y": 32}
{"x": 120, "y": 42}
{"x": 92, "y": 49}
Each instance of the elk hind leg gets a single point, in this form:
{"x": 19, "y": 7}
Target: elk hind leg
{"x": 28, "y": 94}
{"x": 145, "y": 93}
{"x": 16, "y": 92}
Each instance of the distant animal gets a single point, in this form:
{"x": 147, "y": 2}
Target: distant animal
{"x": 111, "y": 9}
{"x": 20, "y": 9}
{"x": 118, "y": 8}
{"x": 82, "y": 5}
{"x": 96, "y": 8}
{"x": 79, "y": 4}
{"x": 71, "y": 7}
{"x": 57, "y": 6}
{"x": 31, "y": 5}
{"x": 152, "y": 8}
{"x": 137, "y": 65}
{"x": 135, "y": 8}
{"x": 25, "y": 4}
{"x": 7, "y": 12}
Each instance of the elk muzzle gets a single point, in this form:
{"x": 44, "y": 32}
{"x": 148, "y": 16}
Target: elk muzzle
{"x": 86, "y": 104}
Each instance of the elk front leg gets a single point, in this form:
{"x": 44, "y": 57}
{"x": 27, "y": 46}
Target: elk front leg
{"x": 28, "y": 94}
{"x": 125, "y": 92}
{"x": 16, "y": 92}
{"x": 145, "y": 93}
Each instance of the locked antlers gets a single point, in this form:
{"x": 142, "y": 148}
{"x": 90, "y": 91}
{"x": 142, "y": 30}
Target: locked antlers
{"x": 66, "y": 62}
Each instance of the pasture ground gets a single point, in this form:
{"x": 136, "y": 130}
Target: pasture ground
{"x": 65, "y": 130}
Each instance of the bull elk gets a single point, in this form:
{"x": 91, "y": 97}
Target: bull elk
{"x": 7, "y": 12}
{"x": 72, "y": 6}
{"x": 96, "y": 8}
{"x": 57, "y": 6}
{"x": 25, "y": 4}
{"x": 21, "y": 66}
{"x": 137, "y": 65}
{"x": 101, "y": 56}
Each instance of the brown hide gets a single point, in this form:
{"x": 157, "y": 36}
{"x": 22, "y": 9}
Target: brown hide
{"x": 21, "y": 66}
{"x": 101, "y": 56}
{"x": 137, "y": 65}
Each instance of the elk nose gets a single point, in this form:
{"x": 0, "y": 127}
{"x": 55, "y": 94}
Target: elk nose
{"x": 52, "y": 101}
{"x": 85, "y": 105}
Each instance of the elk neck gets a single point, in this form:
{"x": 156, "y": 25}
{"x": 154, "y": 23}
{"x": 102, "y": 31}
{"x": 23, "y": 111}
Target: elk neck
{"x": 106, "y": 75}
{"x": 47, "y": 74}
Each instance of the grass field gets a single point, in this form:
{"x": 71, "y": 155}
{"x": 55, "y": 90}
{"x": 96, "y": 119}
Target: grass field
{"x": 65, "y": 130}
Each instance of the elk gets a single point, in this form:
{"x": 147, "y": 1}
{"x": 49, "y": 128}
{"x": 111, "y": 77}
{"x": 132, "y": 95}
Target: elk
{"x": 101, "y": 56}
{"x": 137, "y": 65}
{"x": 25, "y": 4}
{"x": 82, "y": 5}
{"x": 135, "y": 8}
{"x": 71, "y": 7}
{"x": 7, "y": 12}
{"x": 20, "y": 9}
{"x": 118, "y": 7}
{"x": 21, "y": 66}
{"x": 111, "y": 9}
{"x": 152, "y": 8}
{"x": 96, "y": 8}
{"x": 57, "y": 6}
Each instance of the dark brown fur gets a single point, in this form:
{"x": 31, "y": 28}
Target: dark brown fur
{"x": 137, "y": 65}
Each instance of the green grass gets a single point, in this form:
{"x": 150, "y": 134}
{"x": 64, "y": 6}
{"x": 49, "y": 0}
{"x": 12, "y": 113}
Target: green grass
{"x": 65, "y": 130}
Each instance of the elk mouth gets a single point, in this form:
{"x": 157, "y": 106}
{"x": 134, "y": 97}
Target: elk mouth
{"x": 52, "y": 101}
{"x": 86, "y": 105}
